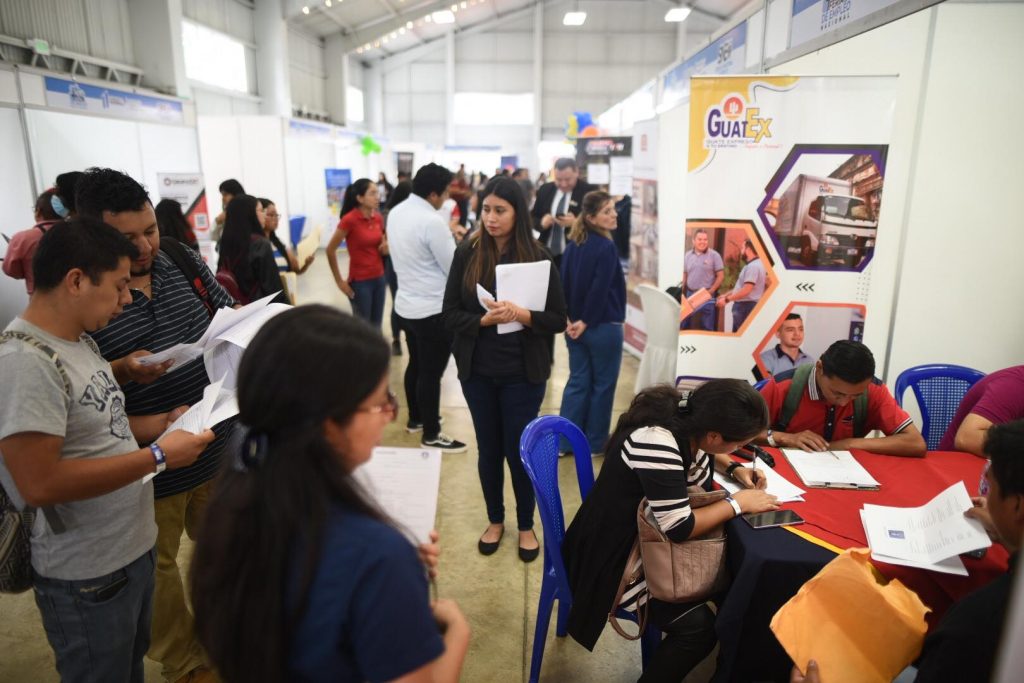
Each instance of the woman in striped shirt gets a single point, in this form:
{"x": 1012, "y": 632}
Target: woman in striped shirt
{"x": 661, "y": 445}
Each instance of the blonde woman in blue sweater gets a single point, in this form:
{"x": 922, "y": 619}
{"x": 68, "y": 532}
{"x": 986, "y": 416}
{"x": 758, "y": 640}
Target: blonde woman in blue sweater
{"x": 595, "y": 291}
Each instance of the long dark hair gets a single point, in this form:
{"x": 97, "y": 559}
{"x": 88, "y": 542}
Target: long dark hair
{"x": 353, "y": 192}
{"x": 263, "y": 526}
{"x": 730, "y": 407}
{"x": 172, "y": 222}
{"x": 522, "y": 246}
{"x": 240, "y": 225}
{"x": 399, "y": 194}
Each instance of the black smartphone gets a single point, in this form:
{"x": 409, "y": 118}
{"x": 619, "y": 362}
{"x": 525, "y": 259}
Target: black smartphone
{"x": 977, "y": 554}
{"x": 766, "y": 520}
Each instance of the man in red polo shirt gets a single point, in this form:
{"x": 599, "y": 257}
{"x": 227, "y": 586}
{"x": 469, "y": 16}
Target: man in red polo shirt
{"x": 841, "y": 403}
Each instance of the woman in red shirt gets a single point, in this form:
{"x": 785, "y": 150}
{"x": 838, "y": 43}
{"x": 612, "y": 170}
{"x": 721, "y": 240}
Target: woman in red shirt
{"x": 363, "y": 230}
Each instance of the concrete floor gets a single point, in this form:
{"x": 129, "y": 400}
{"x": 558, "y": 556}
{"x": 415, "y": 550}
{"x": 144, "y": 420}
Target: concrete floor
{"x": 497, "y": 593}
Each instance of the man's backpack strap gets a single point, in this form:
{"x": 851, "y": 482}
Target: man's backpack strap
{"x": 175, "y": 250}
{"x": 860, "y": 415}
{"x": 801, "y": 375}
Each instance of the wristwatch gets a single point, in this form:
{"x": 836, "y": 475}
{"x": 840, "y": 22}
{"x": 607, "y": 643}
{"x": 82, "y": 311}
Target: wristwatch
{"x": 732, "y": 468}
{"x": 771, "y": 439}
{"x": 735, "y": 505}
{"x": 158, "y": 457}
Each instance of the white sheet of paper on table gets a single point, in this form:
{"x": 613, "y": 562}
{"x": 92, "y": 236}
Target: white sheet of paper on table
{"x": 832, "y": 469}
{"x": 524, "y": 284}
{"x": 951, "y": 565}
{"x": 927, "y": 534}
{"x": 778, "y": 485}
{"x": 405, "y": 482}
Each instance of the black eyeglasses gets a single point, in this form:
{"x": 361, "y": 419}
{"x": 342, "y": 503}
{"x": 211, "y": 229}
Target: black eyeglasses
{"x": 391, "y": 406}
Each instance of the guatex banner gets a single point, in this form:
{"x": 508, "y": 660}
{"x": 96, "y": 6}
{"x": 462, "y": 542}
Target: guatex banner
{"x": 785, "y": 187}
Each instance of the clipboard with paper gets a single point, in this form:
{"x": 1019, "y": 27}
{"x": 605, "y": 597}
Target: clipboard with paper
{"x": 524, "y": 284}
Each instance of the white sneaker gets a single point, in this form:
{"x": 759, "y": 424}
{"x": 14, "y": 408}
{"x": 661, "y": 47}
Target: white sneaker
{"x": 446, "y": 443}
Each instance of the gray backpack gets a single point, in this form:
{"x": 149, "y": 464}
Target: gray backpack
{"x": 15, "y": 524}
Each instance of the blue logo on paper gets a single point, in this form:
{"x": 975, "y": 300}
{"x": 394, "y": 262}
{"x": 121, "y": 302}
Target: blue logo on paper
{"x": 896, "y": 533}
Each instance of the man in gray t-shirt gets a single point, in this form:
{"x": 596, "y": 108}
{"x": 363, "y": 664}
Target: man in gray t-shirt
{"x": 749, "y": 287}
{"x": 69, "y": 447}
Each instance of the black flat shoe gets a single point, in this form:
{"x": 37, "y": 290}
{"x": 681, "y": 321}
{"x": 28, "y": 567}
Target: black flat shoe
{"x": 489, "y": 548}
{"x": 529, "y": 554}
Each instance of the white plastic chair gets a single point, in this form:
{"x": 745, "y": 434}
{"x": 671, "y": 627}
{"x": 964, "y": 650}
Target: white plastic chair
{"x": 661, "y": 321}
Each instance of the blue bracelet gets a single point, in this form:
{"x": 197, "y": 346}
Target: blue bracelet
{"x": 159, "y": 457}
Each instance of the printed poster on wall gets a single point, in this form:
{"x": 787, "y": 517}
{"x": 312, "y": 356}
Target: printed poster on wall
{"x": 606, "y": 162}
{"x": 786, "y": 180}
{"x": 643, "y": 235}
{"x": 189, "y": 190}
{"x": 336, "y": 180}
{"x": 814, "y": 18}
{"x": 67, "y": 94}
{"x": 726, "y": 55}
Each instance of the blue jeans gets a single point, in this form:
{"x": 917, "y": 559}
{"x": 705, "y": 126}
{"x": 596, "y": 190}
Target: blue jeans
{"x": 501, "y": 409}
{"x": 369, "y": 301}
{"x": 99, "y": 628}
{"x": 704, "y": 318}
{"x": 740, "y": 311}
{"x": 594, "y": 361}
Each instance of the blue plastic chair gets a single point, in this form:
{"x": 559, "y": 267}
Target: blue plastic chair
{"x": 938, "y": 390}
{"x": 538, "y": 449}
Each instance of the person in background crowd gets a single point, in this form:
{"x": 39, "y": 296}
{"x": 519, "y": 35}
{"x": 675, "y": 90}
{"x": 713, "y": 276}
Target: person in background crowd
{"x": 459, "y": 191}
{"x": 173, "y": 224}
{"x": 542, "y": 178}
{"x": 994, "y": 399}
{"x": 503, "y": 376}
{"x": 399, "y": 195}
{"x": 246, "y": 254}
{"x": 384, "y": 188}
{"x": 229, "y": 189}
{"x": 362, "y": 229}
{"x": 283, "y": 256}
{"x": 164, "y": 309}
{"x": 624, "y": 220}
{"x": 826, "y": 417}
{"x": 297, "y": 576}
{"x": 963, "y": 647}
{"x": 665, "y": 443}
{"x": 702, "y": 269}
{"x": 749, "y": 287}
{"x": 73, "y": 453}
{"x": 557, "y": 206}
{"x": 421, "y": 250}
{"x": 522, "y": 176}
{"x": 787, "y": 354}
{"x": 17, "y": 262}
{"x": 595, "y": 290}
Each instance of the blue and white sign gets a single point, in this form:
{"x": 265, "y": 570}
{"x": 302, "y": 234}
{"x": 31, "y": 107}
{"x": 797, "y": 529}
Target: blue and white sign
{"x": 67, "y": 94}
{"x": 814, "y": 18}
{"x": 725, "y": 56}
{"x": 336, "y": 180}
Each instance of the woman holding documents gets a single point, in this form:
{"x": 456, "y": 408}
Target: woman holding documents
{"x": 664, "y": 443}
{"x": 595, "y": 291}
{"x": 297, "y": 575}
{"x": 362, "y": 230}
{"x": 504, "y": 303}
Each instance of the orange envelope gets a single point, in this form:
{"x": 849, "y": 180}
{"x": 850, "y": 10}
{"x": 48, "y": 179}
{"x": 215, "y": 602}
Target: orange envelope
{"x": 857, "y": 627}
{"x": 695, "y": 301}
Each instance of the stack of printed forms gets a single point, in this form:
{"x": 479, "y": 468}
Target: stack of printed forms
{"x": 778, "y": 485}
{"x": 928, "y": 537}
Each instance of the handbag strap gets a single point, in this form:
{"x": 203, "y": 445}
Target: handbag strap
{"x": 624, "y": 582}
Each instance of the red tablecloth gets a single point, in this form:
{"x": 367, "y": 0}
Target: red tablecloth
{"x": 833, "y": 516}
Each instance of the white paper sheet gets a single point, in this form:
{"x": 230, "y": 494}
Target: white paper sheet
{"x": 621, "y": 176}
{"x": 524, "y": 284}
{"x": 598, "y": 174}
{"x": 483, "y": 296}
{"x": 405, "y": 483}
{"x": 951, "y": 565}
{"x": 224, "y": 350}
{"x": 307, "y": 246}
{"x": 179, "y": 353}
{"x": 830, "y": 469}
{"x": 778, "y": 485}
{"x": 928, "y": 534}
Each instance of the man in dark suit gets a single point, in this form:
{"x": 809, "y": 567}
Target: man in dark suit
{"x": 557, "y": 206}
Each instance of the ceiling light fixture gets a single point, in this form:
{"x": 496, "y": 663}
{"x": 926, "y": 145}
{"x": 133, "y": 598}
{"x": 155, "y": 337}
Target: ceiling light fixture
{"x": 305, "y": 10}
{"x": 401, "y": 31}
{"x": 677, "y": 14}
{"x": 463, "y": 4}
{"x": 327, "y": 2}
{"x": 443, "y": 17}
{"x": 408, "y": 25}
{"x": 455, "y": 8}
{"x": 574, "y": 18}
{"x": 429, "y": 19}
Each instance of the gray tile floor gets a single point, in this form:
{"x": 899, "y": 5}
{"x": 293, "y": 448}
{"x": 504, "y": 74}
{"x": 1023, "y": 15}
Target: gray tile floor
{"x": 498, "y": 593}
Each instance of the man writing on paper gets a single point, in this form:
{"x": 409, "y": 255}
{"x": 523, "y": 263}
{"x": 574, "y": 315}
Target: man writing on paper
{"x": 165, "y": 309}
{"x": 833, "y": 404}
{"x": 994, "y": 399}
{"x": 71, "y": 452}
{"x": 703, "y": 269}
{"x": 964, "y": 645}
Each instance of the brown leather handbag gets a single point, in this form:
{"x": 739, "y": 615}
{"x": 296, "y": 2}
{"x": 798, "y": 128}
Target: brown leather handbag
{"x": 690, "y": 571}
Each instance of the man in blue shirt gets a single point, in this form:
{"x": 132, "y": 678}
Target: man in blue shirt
{"x": 787, "y": 354}
{"x": 749, "y": 287}
{"x": 702, "y": 269}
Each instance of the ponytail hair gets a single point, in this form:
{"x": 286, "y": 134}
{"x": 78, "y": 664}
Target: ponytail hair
{"x": 593, "y": 202}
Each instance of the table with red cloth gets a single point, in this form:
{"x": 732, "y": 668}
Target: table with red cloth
{"x": 768, "y": 566}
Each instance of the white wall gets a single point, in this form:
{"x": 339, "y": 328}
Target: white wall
{"x": 99, "y": 28}
{"x": 673, "y": 147}
{"x": 307, "y": 72}
{"x": 17, "y": 200}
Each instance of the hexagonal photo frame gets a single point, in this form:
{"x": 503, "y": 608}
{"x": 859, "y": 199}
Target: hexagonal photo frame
{"x": 729, "y": 243}
{"x": 822, "y": 206}
{"x": 803, "y": 331}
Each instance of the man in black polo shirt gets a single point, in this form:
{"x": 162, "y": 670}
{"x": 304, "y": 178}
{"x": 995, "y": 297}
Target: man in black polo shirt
{"x": 165, "y": 310}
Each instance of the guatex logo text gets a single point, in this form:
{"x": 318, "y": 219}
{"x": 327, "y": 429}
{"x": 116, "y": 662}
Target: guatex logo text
{"x": 733, "y": 123}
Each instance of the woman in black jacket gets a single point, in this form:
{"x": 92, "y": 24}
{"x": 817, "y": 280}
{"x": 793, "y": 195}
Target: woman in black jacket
{"x": 246, "y": 254}
{"x": 503, "y": 375}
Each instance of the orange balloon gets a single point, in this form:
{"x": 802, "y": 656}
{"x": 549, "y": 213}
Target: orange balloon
{"x": 590, "y": 132}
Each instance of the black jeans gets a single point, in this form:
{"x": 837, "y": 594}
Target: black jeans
{"x": 392, "y": 280}
{"x": 501, "y": 409}
{"x": 689, "y": 638}
{"x": 429, "y": 349}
